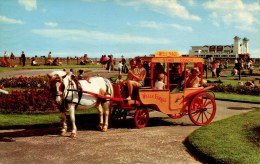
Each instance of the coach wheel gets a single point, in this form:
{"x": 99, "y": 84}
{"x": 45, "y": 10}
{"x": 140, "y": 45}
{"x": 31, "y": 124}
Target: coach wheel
{"x": 141, "y": 117}
{"x": 118, "y": 114}
{"x": 202, "y": 109}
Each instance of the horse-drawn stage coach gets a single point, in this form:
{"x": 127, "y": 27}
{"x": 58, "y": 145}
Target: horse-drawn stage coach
{"x": 176, "y": 99}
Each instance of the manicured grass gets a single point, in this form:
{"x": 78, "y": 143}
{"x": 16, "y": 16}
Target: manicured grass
{"x": 233, "y": 140}
{"x": 28, "y": 119}
{"x": 9, "y": 120}
{"x": 237, "y": 97}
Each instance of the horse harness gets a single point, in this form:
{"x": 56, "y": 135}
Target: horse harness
{"x": 79, "y": 90}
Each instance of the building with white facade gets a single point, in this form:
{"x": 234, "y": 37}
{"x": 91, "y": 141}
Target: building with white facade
{"x": 236, "y": 50}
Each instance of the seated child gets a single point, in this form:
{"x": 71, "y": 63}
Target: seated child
{"x": 119, "y": 80}
{"x": 193, "y": 80}
{"x": 159, "y": 84}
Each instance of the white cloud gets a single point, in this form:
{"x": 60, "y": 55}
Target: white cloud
{"x": 5, "y": 19}
{"x": 83, "y": 36}
{"x": 51, "y": 24}
{"x": 160, "y": 26}
{"x": 149, "y": 24}
{"x": 233, "y": 13}
{"x": 169, "y": 7}
{"x": 28, "y": 4}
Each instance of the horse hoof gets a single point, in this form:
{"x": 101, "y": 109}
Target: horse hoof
{"x": 100, "y": 127}
{"x": 73, "y": 135}
{"x": 104, "y": 129}
{"x": 63, "y": 133}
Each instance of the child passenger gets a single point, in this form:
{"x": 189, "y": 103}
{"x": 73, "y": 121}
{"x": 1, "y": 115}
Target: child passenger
{"x": 159, "y": 84}
{"x": 193, "y": 80}
{"x": 119, "y": 80}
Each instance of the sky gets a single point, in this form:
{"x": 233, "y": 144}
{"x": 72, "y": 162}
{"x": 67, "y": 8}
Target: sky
{"x": 124, "y": 27}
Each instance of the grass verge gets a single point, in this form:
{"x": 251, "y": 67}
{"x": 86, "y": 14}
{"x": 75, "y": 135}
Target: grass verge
{"x": 19, "y": 120}
{"x": 233, "y": 140}
{"x": 237, "y": 97}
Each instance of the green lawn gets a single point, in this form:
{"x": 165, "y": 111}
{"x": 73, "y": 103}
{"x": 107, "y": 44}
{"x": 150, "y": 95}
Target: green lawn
{"x": 233, "y": 140}
{"x": 237, "y": 97}
{"x": 9, "y": 120}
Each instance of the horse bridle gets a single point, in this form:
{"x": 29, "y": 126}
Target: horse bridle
{"x": 53, "y": 83}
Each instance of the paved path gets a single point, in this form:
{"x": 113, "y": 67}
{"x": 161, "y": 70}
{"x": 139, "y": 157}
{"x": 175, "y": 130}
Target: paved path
{"x": 42, "y": 72}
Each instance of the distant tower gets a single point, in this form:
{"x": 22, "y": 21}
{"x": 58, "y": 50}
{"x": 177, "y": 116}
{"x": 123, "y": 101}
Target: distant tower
{"x": 236, "y": 48}
{"x": 245, "y": 45}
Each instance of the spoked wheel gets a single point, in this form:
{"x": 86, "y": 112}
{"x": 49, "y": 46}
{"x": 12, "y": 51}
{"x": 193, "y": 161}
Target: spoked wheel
{"x": 202, "y": 109}
{"x": 118, "y": 114}
{"x": 141, "y": 117}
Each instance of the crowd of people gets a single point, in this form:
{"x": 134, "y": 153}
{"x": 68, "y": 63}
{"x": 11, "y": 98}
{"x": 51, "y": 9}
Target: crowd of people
{"x": 109, "y": 63}
{"x": 4, "y": 62}
{"x": 240, "y": 64}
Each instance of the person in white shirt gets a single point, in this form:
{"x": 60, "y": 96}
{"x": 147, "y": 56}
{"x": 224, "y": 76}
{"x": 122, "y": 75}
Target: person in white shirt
{"x": 159, "y": 84}
{"x": 6, "y": 55}
{"x": 120, "y": 66}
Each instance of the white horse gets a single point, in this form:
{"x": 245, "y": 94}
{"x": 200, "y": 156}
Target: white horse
{"x": 69, "y": 92}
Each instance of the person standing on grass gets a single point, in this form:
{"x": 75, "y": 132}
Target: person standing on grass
{"x": 120, "y": 66}
{"x": 251, "y": 69}
{"x": 124, "y": 64}
{"x": 23, "y": 58}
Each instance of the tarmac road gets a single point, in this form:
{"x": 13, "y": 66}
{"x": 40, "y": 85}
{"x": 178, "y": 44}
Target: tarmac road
{"x": 160, "y": 142}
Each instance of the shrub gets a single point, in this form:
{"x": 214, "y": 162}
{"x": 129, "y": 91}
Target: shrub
{"x": 241, "y": 89}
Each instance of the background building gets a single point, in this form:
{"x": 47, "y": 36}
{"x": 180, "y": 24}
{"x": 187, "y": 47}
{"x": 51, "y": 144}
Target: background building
{"x": 235, "y": 50}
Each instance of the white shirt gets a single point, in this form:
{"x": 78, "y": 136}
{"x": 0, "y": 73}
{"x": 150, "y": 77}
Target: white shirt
{"x": 158, "y": 85}
{"x": 6, "y": 54}
{"x": 120, "y": 65}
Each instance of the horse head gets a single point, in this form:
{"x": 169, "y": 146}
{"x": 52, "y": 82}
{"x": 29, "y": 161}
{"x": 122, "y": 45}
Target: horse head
{"x": 57, "y": 87}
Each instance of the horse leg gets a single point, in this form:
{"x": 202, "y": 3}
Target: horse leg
{"x": 106, "y": 111}
{"x": 72, "y": 119}
{"x": 64, "y": 124}
{"x": 100, "y": 112}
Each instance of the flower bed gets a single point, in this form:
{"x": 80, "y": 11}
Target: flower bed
{"x": 24, "y": 82}
{"x": 27, "y": 101}
{"x": 32, "y": 98}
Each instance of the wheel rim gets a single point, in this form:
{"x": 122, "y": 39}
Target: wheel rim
{"x": 141, "y": 117}
{"x": 202, "y": 109}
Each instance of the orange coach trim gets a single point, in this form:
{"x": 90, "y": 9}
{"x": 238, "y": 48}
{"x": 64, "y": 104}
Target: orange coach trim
{"x": 177, "y": 60}
{"x": 167, "y": 54}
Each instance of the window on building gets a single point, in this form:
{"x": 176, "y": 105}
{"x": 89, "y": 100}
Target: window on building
{"x": 227, "y": 51}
